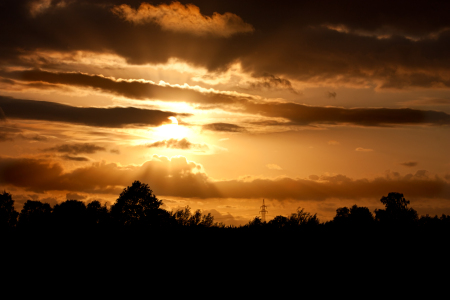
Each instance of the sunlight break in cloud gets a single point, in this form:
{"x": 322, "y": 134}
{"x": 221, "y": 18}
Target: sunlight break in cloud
{"x": 184, "y": 18}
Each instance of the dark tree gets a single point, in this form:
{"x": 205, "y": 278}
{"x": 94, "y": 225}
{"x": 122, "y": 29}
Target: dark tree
{"x": 35, "y": 215}
{"x": 137, "y": 205}
{"x": 184, "y": 217}
{"x": 70, "y": 215}
{"x": 97, "y": 215}
{"x": 8, "y": 216}
{"x": 302, "y": 218}
{"x": 278, "y": 222}
{"x": 396, "y": 212}
{"x": 356, "y": 217}
{"x": 255, "y": 223}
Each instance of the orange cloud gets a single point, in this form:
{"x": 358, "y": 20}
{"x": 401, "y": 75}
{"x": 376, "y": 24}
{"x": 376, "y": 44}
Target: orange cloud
{"x": 184, "y": 18}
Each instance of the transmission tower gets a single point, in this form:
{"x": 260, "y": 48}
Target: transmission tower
{"x": 263, "y": 212}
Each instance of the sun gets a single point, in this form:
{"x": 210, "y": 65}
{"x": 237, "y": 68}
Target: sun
{"x": 172, "y": 131}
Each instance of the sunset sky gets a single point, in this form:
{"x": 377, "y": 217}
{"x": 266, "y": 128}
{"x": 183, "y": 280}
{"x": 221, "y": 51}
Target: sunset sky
{"x": 221, "y": 104}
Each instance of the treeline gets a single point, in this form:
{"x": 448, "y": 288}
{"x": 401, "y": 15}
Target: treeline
{"x": 137, "y": 209}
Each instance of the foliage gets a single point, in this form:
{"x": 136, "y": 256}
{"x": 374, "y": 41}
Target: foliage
{"x": 356, "y": 216}
{"x": 184, "y": 217}
{"x": 96, "y": 213}
{"x": 302, "y": 218}
{"x": 8, "y": 216}
{"x": 70, "y": 215}
{"x": 396, "y": 211}
{"x": 136, "y": 205}
{"x": 35, "y": 214}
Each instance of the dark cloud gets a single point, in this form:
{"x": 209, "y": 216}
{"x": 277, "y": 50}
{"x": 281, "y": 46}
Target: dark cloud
{"x": 305, "y": 40}
{"x": 332, "y": 95}
{"x": 181, "y": 178}
{"x": 306, "y": 115}
{"x": 182, "y": 144}
{"x": 410, "y": 163}
{"x": 175, "y": 177}
{"x": 339, "y": 186}
{"x": 91, "y": 116}
{"x": 225, "y": 127}
{"x": 75, "y": 158}
{"x": 77, "y": 148}
{"x": 33, "y": 137}
{"x": 2, "y": 115}
{"x": 298, "y": 114}
{"x": 269, "y": 81}
{"x": 131, "y": 89}
{"x": 4, "y": 136}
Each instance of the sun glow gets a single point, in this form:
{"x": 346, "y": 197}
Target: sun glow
{"x": 172, "y": 131}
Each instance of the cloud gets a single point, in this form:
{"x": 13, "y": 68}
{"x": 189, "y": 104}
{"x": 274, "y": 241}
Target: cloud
{"x": 273, "y": 167}
{"x": 182, "y": 144}
{"x": 134, "y": 89}
{"x": 226, "y": 218}
{"x": 75, "y": 196}
{"x": 225, "y": 127}
{"x": 75, "y": 158}
{"x": 4, "y": 136}
{"x": 175, "y": 177}
{"x": 361, "y": 149}
{"x": 91, "y": 116}
{"x": 298, "y": 41}
{"x": 77, "y": 148}
{"x": 39, "y": 6}
{"x": 181, "y": 178}
{"x": 298, "y": 114}
{"x": 2, "y": 115}
{"x": 428, "y": 101}
{"x": 409, "y": 163}
{"x": 269, "y": 81}
{"x": 34, "y": 137}
{"x": 334, "y": 143}
{"x": 184, "y": 18}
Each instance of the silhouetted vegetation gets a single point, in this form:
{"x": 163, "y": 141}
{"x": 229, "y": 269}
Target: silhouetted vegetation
{"x": 137, "y": 209}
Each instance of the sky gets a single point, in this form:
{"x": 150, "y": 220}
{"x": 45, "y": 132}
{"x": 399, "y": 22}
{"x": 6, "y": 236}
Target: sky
{"x": 221, "y": 104}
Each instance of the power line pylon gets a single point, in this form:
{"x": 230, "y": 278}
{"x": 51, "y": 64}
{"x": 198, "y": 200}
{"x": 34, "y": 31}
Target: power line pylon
{"x": 263, "y": 212}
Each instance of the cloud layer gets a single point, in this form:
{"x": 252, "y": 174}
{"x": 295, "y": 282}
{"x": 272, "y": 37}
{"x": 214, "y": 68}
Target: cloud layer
{"x": 181, "y": 178}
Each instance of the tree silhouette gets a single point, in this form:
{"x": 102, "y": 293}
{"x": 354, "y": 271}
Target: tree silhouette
{"x": 278, "y": 222}
{"x": 184, "y": 217}
{"x": 137, "y": 205}
{"x": 70, "y": 215}
{"x": 396, "y": 212}
{"x": 356, "y": 217}
{"x": 35, "y": 215}
{"x": 255, "y": 223}
{"x": 8, "y": 216}
{"x": 97, "y": 215}
{"x": 302, "y": 218}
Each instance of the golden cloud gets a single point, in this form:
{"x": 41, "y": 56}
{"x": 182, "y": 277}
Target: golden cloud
{"x": 184, "y": 18}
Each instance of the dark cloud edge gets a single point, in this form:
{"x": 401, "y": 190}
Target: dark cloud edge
{"x": 114, "y": 117}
